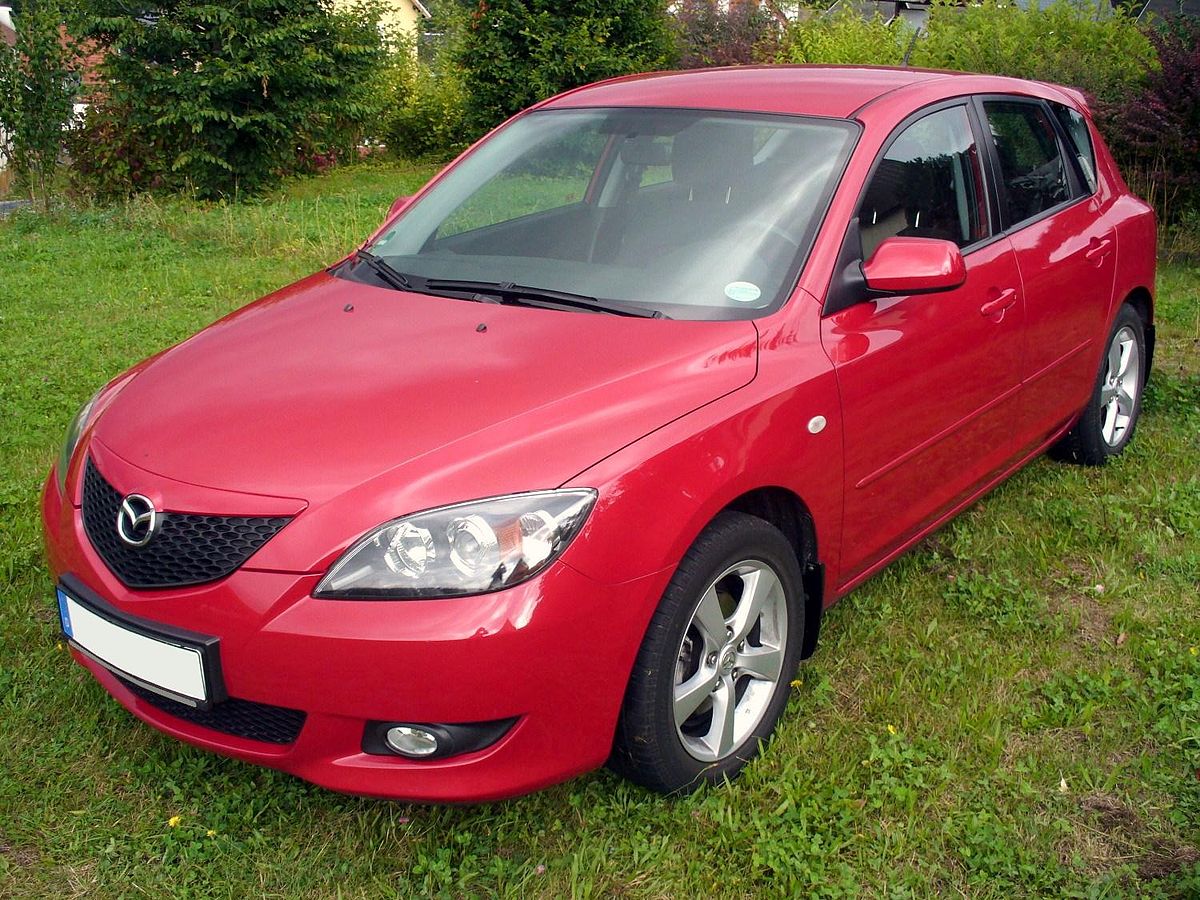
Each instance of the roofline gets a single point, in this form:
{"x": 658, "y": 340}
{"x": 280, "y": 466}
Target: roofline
{"x": 660, "y": 73}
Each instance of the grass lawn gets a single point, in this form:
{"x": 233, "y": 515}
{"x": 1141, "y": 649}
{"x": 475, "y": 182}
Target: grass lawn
{"x": 1012, "y": 709}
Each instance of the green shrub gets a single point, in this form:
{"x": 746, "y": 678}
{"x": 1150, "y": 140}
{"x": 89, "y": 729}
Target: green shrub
{"x": 422, "y": 106}
{"x": 229, "y": 95}
{"x": 37, "y": 88}
{"x": 845, "y": 37}
{"x": 1065, "y": 43}
{"x": 516, "y": 52}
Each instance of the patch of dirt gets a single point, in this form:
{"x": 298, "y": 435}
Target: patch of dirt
{"x": 1163, "y": 862}
{"x": 1112, "y": 834}
{"x": 1090, "y": 616}
{"x": 22, "y": 857}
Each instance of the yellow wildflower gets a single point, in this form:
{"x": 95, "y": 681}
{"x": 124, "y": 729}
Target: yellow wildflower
{"x": 891, "y": 729}
{"x": 210, "y": 833}
{"x": 174, "y": 821}
{"x": 799, "y": 682}
{"x": 1194, "y": 651}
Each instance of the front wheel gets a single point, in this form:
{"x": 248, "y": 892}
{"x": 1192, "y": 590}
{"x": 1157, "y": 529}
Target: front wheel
{"x": 714, "y": 672}
{"x": 1107, "y": 423}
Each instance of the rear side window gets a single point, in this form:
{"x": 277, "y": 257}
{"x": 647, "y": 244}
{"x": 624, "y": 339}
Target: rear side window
{"x": 1081, "y": 142}
{"x": 1031, "y": 164}
{"x": 928, "y": 184}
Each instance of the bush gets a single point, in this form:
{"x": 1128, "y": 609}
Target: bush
{"x": 844, "y": 37}
{"x": 222, "y": 96}
{"x": 708, "y": 33}
{"x": 1155, "y": 132}
{"x": 37, "y": 89}
{"x": 430, "y": 122}
{"x": 516, "y": 52}
{"x": 1065, "y": 43}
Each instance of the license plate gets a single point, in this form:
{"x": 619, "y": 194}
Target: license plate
{"x": 160, "y": 662}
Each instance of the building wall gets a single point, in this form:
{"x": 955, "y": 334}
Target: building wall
{"x": 400, "y": 16}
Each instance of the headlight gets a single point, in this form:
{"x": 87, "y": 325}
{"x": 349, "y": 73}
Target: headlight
{"x": 72, "y": 440}
{"x": 468, "y": 548}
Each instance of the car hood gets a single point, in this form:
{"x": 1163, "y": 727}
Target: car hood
{"x": 329, "y": 385}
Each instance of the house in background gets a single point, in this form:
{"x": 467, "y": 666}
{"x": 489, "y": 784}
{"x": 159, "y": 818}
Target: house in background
{"x": 401, "y": 17}
{"x": 8, "y": 34}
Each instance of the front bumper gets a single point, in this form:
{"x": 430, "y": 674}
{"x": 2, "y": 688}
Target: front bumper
{"x": 554, "y": 653}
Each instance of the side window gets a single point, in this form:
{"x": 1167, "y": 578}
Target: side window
{"x": 1081, "y": 142}
{"x": 1031, "y": 164}
{"x": 928, "y": 184}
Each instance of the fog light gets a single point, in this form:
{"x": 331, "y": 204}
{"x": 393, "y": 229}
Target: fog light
{"x": 431, "y": 740}
{"x": 408, "y": 740}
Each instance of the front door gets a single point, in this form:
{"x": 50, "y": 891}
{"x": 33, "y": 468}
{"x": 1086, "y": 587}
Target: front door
{"x": 927, "y": 382}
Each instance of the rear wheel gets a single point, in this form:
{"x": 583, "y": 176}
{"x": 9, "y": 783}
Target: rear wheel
{"x": 714, "y": 671}
{"x": 1107, "y": 423}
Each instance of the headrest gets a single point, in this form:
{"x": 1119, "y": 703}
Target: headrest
{"x": 709, "y": 154}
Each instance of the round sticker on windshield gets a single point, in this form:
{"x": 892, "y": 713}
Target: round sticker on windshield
{"x": 742, "y": 291}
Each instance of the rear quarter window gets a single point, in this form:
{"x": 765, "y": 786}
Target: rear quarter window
{"x": 1076, "y": 127}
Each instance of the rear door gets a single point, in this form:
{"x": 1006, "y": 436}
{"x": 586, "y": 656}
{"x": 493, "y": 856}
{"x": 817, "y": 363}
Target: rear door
{"x": 927, "y": 381}
{"x": 1066, "y": 252}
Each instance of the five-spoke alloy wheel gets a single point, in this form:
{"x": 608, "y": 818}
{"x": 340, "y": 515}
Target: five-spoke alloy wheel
{"x": 1107, "y": 422}
{"x": 714, "y": 671}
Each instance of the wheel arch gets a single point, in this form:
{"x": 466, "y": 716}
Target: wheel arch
{"x": 1143, "y": 304}
{"x": 786, "y": 511}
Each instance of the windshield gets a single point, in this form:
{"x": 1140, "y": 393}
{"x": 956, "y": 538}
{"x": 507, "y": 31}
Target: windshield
{"x": 695, "y": 214}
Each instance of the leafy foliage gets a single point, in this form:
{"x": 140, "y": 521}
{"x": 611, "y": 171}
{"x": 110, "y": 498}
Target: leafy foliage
{"x": 37, "y": 88}
{"x": 430, "y": 121}
{"x": 226, "y": 97}
{"x": 1156, "y": 131}
{"x": 708, "y": 33}
{"x": 845, "y": 37}
{"x": 1066, "y": 43}
{"x": 517, "y": 52}
{"x": 422, "y": 102}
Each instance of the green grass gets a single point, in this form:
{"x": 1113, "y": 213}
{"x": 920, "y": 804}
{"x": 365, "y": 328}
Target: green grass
{"x": 1037, "y": 660}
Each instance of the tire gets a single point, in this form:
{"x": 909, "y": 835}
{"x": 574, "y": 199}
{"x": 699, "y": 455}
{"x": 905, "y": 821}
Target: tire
{"x": 730, "y": 626}
{"x": 1108, "y": 421}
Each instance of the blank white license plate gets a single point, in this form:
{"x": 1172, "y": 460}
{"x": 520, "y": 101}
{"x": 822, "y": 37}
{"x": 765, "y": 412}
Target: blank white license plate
{"x": 164, "y": 666}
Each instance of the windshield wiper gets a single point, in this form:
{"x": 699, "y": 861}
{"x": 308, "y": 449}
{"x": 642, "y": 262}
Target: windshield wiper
{"x": 392, "y": 277}
{"x": 521, "y": 294}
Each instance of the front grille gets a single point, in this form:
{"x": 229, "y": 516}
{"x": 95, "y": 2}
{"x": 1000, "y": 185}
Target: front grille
{"x": 188, "y": 548}
{"x": 241, "y": 718}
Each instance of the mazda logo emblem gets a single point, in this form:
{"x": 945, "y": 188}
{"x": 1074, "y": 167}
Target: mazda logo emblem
{"x": 137, "y": 520}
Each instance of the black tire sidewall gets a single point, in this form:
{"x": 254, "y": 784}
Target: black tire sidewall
{"x": 1091, "y": 437}
{"x": 648, "y": 716}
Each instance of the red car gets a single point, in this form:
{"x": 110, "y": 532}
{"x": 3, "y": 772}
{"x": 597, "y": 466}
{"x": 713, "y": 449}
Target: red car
{"x": 562, "y": 467}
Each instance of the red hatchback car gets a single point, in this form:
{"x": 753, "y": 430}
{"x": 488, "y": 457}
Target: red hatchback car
{"x": 564, "y": 464}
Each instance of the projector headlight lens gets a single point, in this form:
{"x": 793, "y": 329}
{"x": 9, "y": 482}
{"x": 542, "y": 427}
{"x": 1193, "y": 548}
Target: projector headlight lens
{"x": 454, "y": 551}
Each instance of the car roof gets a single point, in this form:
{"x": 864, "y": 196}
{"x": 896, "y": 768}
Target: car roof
{"x": 835, "y": 91}
{"x": 810, "y": 90}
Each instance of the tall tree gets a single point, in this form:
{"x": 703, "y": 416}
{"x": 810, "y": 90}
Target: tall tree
{"x": 232, "y": 94}
{"x": 37, "y": 89}
{"x": 516, "y": 52}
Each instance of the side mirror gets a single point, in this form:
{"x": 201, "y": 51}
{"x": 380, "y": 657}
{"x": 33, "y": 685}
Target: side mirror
{"x": 912, "y": 265}
{"x": 397, "y": 206}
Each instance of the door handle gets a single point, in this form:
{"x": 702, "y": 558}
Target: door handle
{"x": 1098, "y": 250}
{"x": 998, "y": 304}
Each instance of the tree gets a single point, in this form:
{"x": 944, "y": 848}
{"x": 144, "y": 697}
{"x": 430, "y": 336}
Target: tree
{"x": 226, "y": 96}
{"x": 37, "y": 90}
{"x": 516, "y": 52}
{"x": 709, "y": 33}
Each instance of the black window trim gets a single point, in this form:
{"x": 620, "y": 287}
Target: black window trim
{"x": 847, "y": 286}
{"x": 1075, "y": 181}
